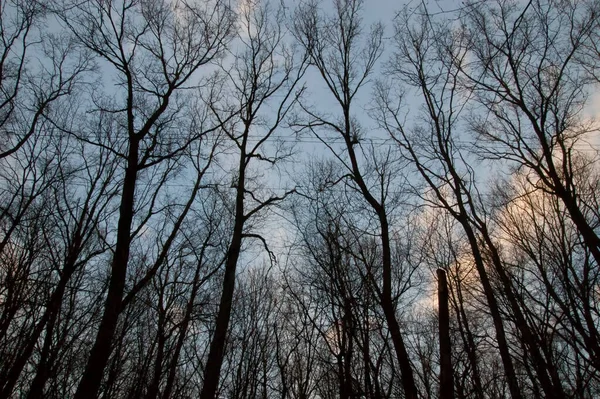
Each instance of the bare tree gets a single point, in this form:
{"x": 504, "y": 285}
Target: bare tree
{"x": 555, "y": 270}
{"x": 37, "y": 68}
{"x": 333, "y": 44}
{"x": 80, "y": 219}
{"x": 264, "y": 74}
{"x": 148, "y": 154}
{"x": 155, "y": 50}
{"x": 523, "y": 70}
{"x": 432, "y": 146}
{"x": 437, "y": 60}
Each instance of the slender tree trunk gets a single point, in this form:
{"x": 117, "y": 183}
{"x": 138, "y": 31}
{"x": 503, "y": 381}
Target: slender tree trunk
{"x": 468, "y": 341}
{"x": 387, "y": 303}
{"x": 153, "y": 389}
{"x": 446, "y": 375}
{"x": 590, "y": 237}
{"x": 212, "y": 371}
{"x": 346, "y": 390}
{"x": 101, "y": 350}
{"x": 47, "y": 321}
{"x": 488, "y": 290}
{"x": 552, "y": 389}
{"x": 42, "y": 374}
{"x": 182, "y": 332}
{"x": 566, "y": 192}
{"x": 214, "y": 362}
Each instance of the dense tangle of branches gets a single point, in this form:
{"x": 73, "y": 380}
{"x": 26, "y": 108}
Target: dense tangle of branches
{"x": 262, "y": 199}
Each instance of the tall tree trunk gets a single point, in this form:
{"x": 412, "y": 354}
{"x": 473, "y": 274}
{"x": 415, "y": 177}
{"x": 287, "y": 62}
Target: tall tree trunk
{"x": 101, "y": 350}
{"x": 552, "y": 389}
{"x": 183, "y": 329}
{"x": 468, "y": 341}
{"x": 387, "y": 303}
{"x": 48, "y": 321}
{"x": 214, "y": 362}
{"x": 446, "y": 375}
{"x": 212, "y": 371}
{"x": 488, "y": 290}
{"x": 153, "y": 389}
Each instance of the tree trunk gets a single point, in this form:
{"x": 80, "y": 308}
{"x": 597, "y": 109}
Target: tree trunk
{"x": 509, "y": 368}
{"x": 101, "y": 350}
{"x": 446, "y": 375}
{"x": 212, "y": 371}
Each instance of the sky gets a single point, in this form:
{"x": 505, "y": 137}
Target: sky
{"x": 373, "y": 11}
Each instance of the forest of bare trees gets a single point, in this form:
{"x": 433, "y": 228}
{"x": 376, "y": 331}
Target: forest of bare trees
{"x": 296, "y": 200}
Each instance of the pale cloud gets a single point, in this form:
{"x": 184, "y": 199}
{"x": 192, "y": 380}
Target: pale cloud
{"x": 591, "y": 114}
{"x": 245, "y": 10}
